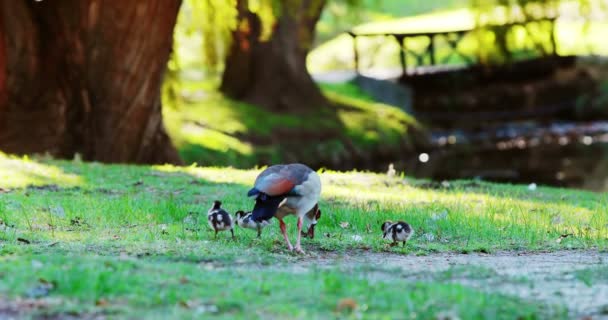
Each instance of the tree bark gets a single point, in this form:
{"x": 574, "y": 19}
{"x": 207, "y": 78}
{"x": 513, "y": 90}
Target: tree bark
{"x": 84, "y": 76}
{"x": 273, "y": 74}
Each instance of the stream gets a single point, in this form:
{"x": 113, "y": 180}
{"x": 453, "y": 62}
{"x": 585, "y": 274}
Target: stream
{"x": 564, "y": 154}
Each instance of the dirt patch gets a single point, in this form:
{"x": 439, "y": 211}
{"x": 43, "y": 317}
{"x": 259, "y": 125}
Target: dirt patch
{"x": 548, "y": 277}
{"x": 38, "y": 309}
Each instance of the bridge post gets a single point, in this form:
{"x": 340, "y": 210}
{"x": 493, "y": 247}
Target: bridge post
{"x": 432, "y": 48}
{"x": 402, "y": 54}
{"x": 552, "y": 37}
{"x": 355, "y": 52}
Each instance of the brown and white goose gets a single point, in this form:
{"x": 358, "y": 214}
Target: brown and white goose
{"x": 286, "y": 189}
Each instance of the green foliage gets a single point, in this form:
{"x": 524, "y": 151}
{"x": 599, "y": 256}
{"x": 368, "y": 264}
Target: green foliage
{"x": 497, "y": 44}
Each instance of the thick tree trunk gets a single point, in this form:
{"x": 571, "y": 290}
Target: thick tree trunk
{"x": 272, "y": 73}
{"x": 84, "y": 76}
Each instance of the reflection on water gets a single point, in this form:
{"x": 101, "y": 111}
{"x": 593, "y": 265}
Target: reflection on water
{"x": 567, "y": 154}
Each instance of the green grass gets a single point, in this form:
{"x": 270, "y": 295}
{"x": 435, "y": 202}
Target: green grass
{"x": 573, "y": 38}
{"x": 243, "y": 135}
{"x": 593, "y": 275}
{"x": 159, "y": 289}
{"x": 121, "y": 240}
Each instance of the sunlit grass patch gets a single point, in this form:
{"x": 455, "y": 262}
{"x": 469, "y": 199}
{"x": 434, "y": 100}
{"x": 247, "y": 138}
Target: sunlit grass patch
{"x": 212, "y": 129}
{"x": 20, "y": 172}
{"x": 153, "y": 203}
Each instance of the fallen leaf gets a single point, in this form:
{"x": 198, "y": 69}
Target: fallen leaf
{"x": 344, "y": 224}
{"x": 183, "y": 280}
{"x": 102, "y": 302}
{"x": 348, "y": 304}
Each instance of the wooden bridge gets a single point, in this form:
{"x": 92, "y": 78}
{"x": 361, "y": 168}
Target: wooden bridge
{"x": 429, "y": 59}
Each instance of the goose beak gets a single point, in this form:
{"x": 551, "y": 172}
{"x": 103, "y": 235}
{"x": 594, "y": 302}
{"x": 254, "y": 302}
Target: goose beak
{"x": 310, "y": 233}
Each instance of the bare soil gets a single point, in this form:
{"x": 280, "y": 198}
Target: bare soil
{"x": 547, "y": 277}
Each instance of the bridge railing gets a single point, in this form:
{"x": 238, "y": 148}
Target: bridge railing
{"x": 514, "y": 41}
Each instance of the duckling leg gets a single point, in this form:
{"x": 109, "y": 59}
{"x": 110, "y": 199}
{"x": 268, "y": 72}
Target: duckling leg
{"x": 298, "y": 247}
{"x": 232, "y": 232}
{"x": 284, "y": 232}
{"x": 404, "y": 242}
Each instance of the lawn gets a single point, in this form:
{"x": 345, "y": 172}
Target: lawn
{"x": 89, "y": 239}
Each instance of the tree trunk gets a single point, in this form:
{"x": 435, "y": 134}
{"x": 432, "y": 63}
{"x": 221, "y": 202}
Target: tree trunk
{"x": 84, "y": 76}
{"x": 273, "y": 73}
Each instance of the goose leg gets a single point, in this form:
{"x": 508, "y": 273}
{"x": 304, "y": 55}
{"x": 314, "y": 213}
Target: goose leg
{"x": 284, "y": 232}
{"x": 259, "y": 232}
{"x": 298, "y": 247}
{"x": 232, "y": 232}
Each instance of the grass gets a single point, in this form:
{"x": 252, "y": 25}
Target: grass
{"x": 160, "y": 289}
{"x": 243, "y": 135}
{"x": 593, "y": 275}
{"x": 126, "y": 240}
{"x": 573, "y": 38}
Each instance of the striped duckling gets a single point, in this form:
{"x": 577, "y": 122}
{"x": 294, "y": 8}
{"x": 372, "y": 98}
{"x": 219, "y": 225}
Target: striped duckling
{"x": 219, "y": 219}
{"x": 245, "y": 220}
{"x": 397, "y": 231}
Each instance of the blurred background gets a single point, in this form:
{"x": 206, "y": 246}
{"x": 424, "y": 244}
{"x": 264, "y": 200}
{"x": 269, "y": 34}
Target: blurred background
{"x": 499, "y": 90}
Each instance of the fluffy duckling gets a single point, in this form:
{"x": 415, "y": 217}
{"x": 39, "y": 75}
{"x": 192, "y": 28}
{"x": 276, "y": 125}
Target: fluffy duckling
{"x": 245, "y": 220}
{"x": 397, "y": 231}
{"x": 219, "y": 219}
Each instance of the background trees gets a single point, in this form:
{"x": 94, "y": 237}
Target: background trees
{"x": 84, "y": 76}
